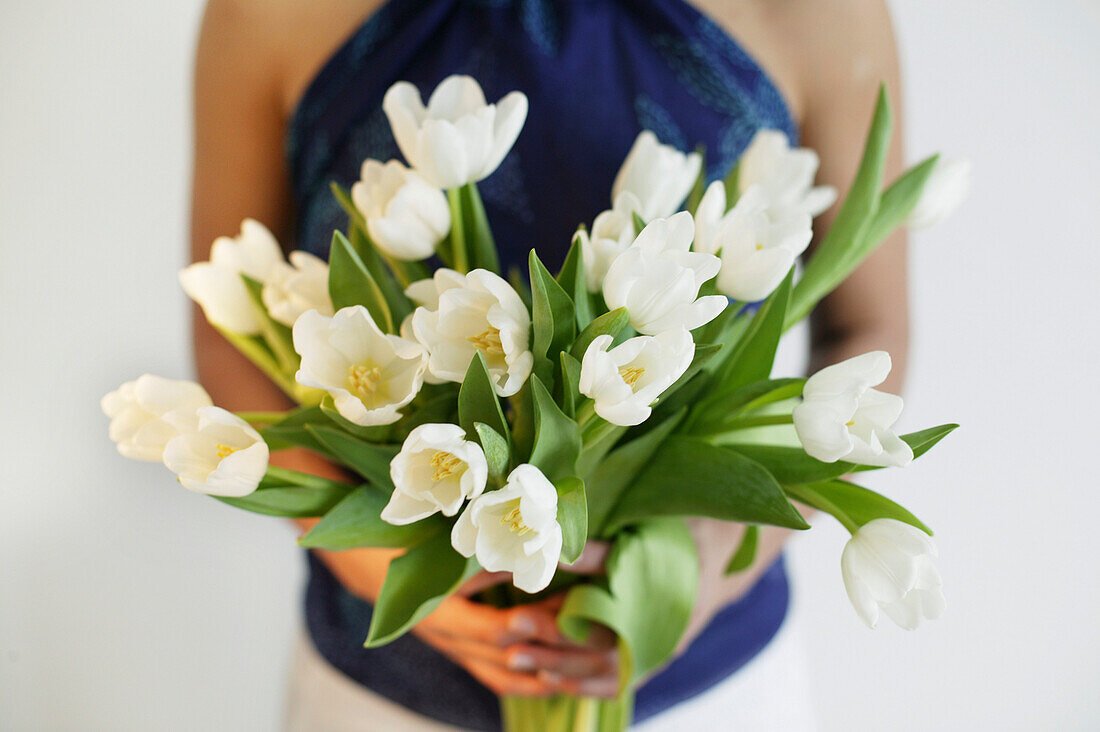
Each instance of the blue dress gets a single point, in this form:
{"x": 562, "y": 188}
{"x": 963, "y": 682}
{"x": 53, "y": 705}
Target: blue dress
{"x": 596, "y": 72}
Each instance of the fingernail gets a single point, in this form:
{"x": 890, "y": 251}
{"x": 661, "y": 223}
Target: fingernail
{"x": 550, "y": 677}
{"x": 521, "y": 662}
{"x": 522, "y": 624}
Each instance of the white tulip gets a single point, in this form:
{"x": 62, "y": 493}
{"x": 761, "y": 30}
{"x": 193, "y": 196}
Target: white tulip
{"x": 756, "y": 251}
{"x": 842, "y": 417}
{"x": 786, "y": 176}
{"x": 612, "y": 232}
{"x": 222, "y": 456}
{"x": 480, "y": 313}
{"x": 406, "y": 216}
{"x": 660, "y": 176}
{"x": 946, "y": 188}
{"x": 217, "y": 285}
{"x": 657, "y": 279}
{"x": 436, "y": 470}
{"x": 369, "y": 374}
{"x": 888, "y": 564}
{"x": 514, "y": 529}
{"x": 148, "y": 412}
{"x": 623, "y": 382}
{"x": 457, "y": 138}
{"x": 297, "y": 287}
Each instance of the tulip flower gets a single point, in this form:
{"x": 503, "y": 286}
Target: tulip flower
{"x": 946, "y": 188}
{"x": 217, "y": 285}
{"x": 842, "y": 417}
{"x": 457, "y": 138}
{"x": 370, "y": 375}
{"x": 514, "y": 529}
{"x": 659, "y": 176}
{"x": 785, "y": 175}
{"x": 482, "y": 314}
{"x": 657, "y": 279}
{"x": 612, "y": 232}
{"x": 294, "y": 288}
{"x": 888, "y": 564}
{"x": 222, "y": 456}
{"x": 756, "y": 251}
{"x": 148, "y": 412}
{"x": 406, "y": 216}
{"x": 624, "y": 381}
{"x": 436, "y": 470}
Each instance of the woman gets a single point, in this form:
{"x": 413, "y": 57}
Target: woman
{"x": 288, "y": 97}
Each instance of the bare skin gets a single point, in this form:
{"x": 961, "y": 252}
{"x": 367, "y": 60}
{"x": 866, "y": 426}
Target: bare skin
{"x": 255, "y": 59}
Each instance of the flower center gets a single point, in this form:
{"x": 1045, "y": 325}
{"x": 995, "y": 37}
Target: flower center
{"x": 444, "y": 465}
{"x": 850, "y": 423}
{"x": 759, "y": 246}
{"x": 631, "y": 374}
{"x": 514, "y": 521}
{"x": 488, "y": 342}
{"x": 363, "y": 379}
{"x": 225, "y": 451}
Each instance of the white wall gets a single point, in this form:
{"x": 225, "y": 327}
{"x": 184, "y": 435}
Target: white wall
{"x": 125, "y": 604}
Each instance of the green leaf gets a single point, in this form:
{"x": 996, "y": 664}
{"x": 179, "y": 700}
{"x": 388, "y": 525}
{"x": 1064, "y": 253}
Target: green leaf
{"x": 291, "y": 431}
{"x": 436, "y": 409}
{"x": 611, "y": 323}
{"x": 832, "y": 258}
{"x": 851, "y": 504}
{"x": 277, "y": 335}
{"x": 896, "y": 203}
{"x": 573, "y": 280}
{"x": 276, "y": 498}
{"x": 639, "y": 224}
{"x": 745, "y": 399}
{"x": 355, "y": 216}
{"x": 751, "y": 360}
{"x": 652, "y": 578}
{"x": 573, "y": 517}
{"x": 415, "y": 584}
{"x": 690, "y": 477}
{"x": 570, "y": 384}
{"x": 557, "y": 440}
{"x": 477, "y": 400}
{"x": 746, "y": 551}
{"x": 356, "y": 522}
{"x": 733, "y": 185}
{"x": 471, "y": 238}
{"x": 495, "y": 448}
{"x": 370, "y": 461}
{"x": 349, "y": 283}
{"x": 921, "y": 442}
{"x": 553, "y": 320}
{"x": 611, "y": 477}
{"x": 790, "y": 465}
{"x": 398, "y": 302}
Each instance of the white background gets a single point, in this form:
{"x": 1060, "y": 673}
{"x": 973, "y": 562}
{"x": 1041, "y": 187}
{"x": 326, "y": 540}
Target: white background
{"x": 127, "y": 603}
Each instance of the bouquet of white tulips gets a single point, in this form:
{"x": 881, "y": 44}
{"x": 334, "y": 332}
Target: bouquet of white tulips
{"x": 499, "y": 424}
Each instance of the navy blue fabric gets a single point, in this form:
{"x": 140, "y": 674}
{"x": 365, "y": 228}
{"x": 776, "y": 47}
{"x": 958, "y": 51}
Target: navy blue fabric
{"x": 596, "y": 73}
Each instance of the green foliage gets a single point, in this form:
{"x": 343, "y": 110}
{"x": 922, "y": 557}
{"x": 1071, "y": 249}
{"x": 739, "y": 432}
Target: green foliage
{"x": 349, "y": 283}
{"x": 477, "y": 400}
{"x": 652, "y": 577}
{"x": 573, "y": 280}
{"x": 495, "y": 448}
{"x": 700, "y": 186}
{"x": 896, "y": 203}
{"x": 852, "y": 505}
{"x": 573, "y": 517}
{"x": 372, "y": 433}
{"x": 610, "y": 477}
{"x": 415, "y": 584}
{"x": 277, "y": 336}
{"x": 745, "y": 399}
{"x": 611, "y": 323}
{"x": 746, "y": 551}
{"x": 921, "y": 442}
{"x": 472, "y": 244}
{"x": 291, "y": 431}
{"x": 369, "y": 460}
{"x": 398, "y": 302}
{"x": 356, "y": 522}
{"x": 557, "y": 439}
{"x": 291, "y": 495}
{"x": 752, "y": 358}
{"x": 570, "y": 384}
{"x": 690, "y": 477}
{"x": 553, "y": 320}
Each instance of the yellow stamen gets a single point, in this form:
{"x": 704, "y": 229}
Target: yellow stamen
{"x": 363, "y": 379}
{"x": 488, "y": 342}
{"x": 514, "y": 521}
{"x": 851, "y": 423}
{"x": 631, "y": 374}
{"x": 225, "y": 451}
{"x": 759, "y": 247}
{"x": 444, "y": 465}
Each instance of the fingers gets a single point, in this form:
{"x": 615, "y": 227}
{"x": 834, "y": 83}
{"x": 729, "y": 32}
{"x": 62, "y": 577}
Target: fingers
{"x": 591, "y": 560}
{"x": 571, "y": 662}
{"x": 458, "y": 617}
{"x": 483, "y": 580}
{"x": 604, "y": 687}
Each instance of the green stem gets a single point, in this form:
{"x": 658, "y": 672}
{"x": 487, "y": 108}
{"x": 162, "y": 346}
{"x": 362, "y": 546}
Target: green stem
{"x": 762, "y": 421}
{"x": 808, "y": 495}
{"x": 459, "y": 255}
{"x": 262, "y": 417}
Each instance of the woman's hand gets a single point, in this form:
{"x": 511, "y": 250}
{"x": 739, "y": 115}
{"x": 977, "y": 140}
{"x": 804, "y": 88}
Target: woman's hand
{"x": 519, "y": 650}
